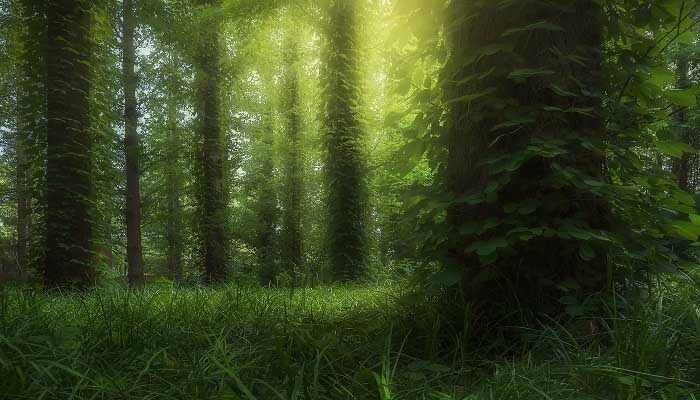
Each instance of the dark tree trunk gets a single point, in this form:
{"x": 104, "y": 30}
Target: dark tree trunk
{"x": 527, "y": 273}
{"x": 131, "y": 141}
{"x": 23, "y": 211}
{"x": 267, "y": 209}
{"x": 214, "y": 198}
{"x": 174, "y": 223}
{"x": 345, "y": 162}
{"x": 69, "y": 258}
{"x": 294, "y": 182}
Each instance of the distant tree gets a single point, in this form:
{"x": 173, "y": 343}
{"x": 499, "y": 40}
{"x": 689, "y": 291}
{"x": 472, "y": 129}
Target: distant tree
{"x": 214, "y": 193}
{"x": 345, "y": 161}
{"x": 266, "y": 207}
{"x": 293, "y": 167}
{"x": 68, "y": 184}
{"x": 682, "y": 165}
{"x": 132, "y": 148}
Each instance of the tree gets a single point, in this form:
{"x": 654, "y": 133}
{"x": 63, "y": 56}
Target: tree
{"x": 214, "y": 196}
{"x": 68, "y": 184}
{"x": 681, "y": 166}
{"x": 131, "y": 142}
{"x": 345, "y": 163}
{"x": 266, "y": 207}
{"x": 294, "y": 181}
{"x": 524, "y": 168}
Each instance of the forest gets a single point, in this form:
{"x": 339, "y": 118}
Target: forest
{"x": 350, "y": 199}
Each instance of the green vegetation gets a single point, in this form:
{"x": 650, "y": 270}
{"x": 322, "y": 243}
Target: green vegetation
{"x": 330, "y": 343}
{"x": 337, "y": 199}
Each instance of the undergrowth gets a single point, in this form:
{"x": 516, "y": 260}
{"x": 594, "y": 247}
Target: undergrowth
{"x": 332, "y": 343}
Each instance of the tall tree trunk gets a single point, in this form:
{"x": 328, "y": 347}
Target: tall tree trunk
{"x": 529, "y": 105}
{"x": 345, "y": 162}
{"x": 681, "y": 166}
{"x": 131, "y": 141}
{"x": 174, "y": 223}
{"x": 69, "y": 151}
{"x": 214, "y": 197}
{"x": 294, "y": 182}
{"x": 23, "y": 211}
{"x": 31, "y": 131}
{"x": 267, "y": 208}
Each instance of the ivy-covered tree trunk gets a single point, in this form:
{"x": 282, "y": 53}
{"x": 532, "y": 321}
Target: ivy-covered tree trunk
{"x": 525, "y": 144}
{"x": 22, "y": 193}
{"x": 31, "y": 132}
{"x": 214, "y": 197}
{"x": 173, "y": 182}
{"x": 681, "y": 166}
{"x": 345, "y": 161}
{"x": 294, "y": 182}
{"x": 131, "y": 140}
{"x": 69, "y": 258}
{"x": 267, "y": 208}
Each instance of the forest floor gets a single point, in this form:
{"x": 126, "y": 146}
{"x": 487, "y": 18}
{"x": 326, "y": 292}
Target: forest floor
{"x": 328, "y": 343}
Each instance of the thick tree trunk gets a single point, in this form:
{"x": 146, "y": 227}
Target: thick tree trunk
{"x": 345, "y": 162}
{"x": 69, "y": 258}
{"x": 294, "y": 182}
{"x": 131, "y": 141}
{"x": 533, "y": 84}
{"x": 214, "y": 198}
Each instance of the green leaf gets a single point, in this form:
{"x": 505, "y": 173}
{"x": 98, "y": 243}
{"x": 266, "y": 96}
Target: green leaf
{"x": 471, "y": 97}
{"x": 485, "y": 248}
{"x": 674, "y": 149}
{"x": 586, "y": 252}
{"x": 541, "y": 25}
{"x": 529, "y": 73}
{"x": 683, "y": 98}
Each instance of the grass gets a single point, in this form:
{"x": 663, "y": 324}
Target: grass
{"x": 331, "y": 343}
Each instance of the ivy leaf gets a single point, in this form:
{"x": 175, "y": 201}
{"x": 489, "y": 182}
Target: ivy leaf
{"x": 485, "y": 248}
{"x": 471, "y": 97}
{"x": 541, "y": 25}
{"x": 683, "y": 98}
{"x": 529, "y": 73}
{"x": 586, "y": 252}
{"x": 674, "y": 149}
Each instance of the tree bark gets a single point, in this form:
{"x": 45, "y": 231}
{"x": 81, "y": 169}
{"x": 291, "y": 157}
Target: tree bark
{"x": 134, "y": 254}
{"x": 214, "y": 198}
{"x": 527, "y": 273}
{"x": 267, "y": 208}
{"x": 69, "y": 260}
{"x": 294, "y": 182}
{"x": 345, "y": 161}
{"x": 174, "y": 223}
{"x": 23, "y": 211}
{"x": 681, "y": 166}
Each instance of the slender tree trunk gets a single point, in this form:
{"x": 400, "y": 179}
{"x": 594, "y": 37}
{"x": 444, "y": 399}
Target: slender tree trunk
{"x": 267, "y": 209}
{"x": 681, "y": 166}
{"x": 69, "y": 151}
{"x": 294, "y": 182}
{"x": 131, "y": 141}
{"x": 345, "y": 162}
{"x": 174, "y": 223}
{"x": 531, "y": 85}
{"x": 23, "y": 211}
{"x": 214, "y": 197}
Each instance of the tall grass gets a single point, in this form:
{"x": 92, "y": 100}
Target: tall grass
{"x": 329, "y": 343}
